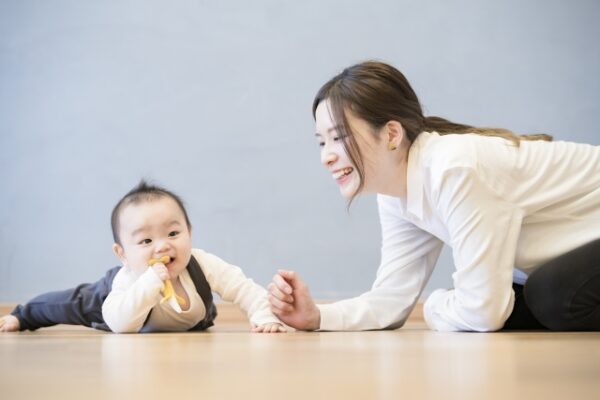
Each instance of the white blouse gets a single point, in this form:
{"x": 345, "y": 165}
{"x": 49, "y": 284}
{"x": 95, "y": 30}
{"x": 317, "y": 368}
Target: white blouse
{"x": 502, "y": 209}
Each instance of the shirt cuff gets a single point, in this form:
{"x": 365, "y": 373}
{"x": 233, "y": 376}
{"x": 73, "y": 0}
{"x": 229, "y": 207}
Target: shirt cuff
{"x": 150, "y": 279}
{"x": 331, "y": 317}
{"x": 264, "y": 317}
{"x": 431, "y": 316}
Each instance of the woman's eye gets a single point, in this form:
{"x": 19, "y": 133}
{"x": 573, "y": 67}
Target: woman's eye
{"x": 145, "y": 241}
{"x": 173, "y": 234}
{"x": 321, "y": 144}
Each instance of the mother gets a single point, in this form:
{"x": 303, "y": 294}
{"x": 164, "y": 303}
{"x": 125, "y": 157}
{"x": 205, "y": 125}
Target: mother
{"x": 520, "y": 213}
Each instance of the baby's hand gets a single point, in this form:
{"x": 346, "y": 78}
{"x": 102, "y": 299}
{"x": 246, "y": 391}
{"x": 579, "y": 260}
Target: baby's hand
{"x": 9, "y": 323}
{"x": 269, "y": 328}
{"x": 161, "y": 271}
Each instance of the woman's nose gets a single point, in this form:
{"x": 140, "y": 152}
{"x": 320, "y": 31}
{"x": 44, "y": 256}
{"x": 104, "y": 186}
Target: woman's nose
{"x": 328, "y": 157}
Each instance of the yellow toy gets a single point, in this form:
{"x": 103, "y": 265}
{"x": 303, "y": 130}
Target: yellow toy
{"x": 168, "y": 291}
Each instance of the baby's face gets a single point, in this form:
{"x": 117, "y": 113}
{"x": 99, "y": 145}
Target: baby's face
{"x": 152, "y": 229}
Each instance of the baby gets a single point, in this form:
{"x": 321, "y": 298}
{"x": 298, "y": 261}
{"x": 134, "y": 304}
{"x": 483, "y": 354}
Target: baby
{"x": 150, "y": 226}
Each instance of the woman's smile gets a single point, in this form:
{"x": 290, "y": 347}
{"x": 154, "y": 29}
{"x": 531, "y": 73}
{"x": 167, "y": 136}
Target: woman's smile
{"x": 342, "y": 175}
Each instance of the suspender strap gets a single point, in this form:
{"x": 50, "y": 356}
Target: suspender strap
{"x": 205, "y": 292}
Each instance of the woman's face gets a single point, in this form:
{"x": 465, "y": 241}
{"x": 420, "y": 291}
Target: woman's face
{"x": 333, "y": 154}
{"x": 337, "y": 161}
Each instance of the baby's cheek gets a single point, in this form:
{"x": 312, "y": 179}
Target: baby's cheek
{"x": 140, "y": 266}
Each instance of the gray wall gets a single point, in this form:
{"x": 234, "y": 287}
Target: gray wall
{"x": 212, "y": 100}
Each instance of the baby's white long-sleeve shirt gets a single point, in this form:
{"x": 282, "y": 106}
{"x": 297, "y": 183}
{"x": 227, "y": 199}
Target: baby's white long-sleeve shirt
{"x": 133, "y": 297}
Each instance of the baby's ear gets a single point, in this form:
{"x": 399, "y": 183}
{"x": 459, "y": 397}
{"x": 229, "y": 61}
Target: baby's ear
{"x": 118, "y": 250}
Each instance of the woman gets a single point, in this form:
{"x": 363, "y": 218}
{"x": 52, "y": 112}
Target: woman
{"x": 514, "y": 210}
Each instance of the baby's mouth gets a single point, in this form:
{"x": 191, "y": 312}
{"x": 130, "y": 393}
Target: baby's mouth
{"x": 166, "y": 260}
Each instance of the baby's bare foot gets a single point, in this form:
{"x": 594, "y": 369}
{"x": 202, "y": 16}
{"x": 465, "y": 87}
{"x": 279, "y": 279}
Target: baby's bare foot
{"x": 9, "y": 323}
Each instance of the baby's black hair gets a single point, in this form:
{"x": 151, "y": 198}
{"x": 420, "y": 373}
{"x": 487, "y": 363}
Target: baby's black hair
{"x": 142, "y": 192}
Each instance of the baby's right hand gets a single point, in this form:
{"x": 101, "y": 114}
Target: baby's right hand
{"x": 161, "y": 271}
{"x": 9, "y": 323}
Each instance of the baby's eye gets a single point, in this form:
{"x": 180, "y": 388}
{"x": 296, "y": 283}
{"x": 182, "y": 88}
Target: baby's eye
{"x": 173, "y": 233}
{"x": 145, "y": 241}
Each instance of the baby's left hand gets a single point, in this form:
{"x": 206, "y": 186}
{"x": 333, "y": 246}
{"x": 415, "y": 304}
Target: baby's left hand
{"x": 269, "y": 328}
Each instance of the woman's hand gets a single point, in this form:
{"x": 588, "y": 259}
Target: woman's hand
{"x": 292, "y": 303}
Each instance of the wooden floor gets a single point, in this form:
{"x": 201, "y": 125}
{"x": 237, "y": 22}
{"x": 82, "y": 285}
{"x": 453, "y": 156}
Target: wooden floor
{"x": 228, "y": 362}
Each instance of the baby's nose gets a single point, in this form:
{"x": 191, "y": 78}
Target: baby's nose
{"x": 162, "y": 246}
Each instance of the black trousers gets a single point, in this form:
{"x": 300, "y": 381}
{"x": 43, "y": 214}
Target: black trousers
{"x": 561, "y": 295}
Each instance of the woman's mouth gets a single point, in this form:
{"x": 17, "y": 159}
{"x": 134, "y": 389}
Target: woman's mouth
{"x": 341, "y": 174}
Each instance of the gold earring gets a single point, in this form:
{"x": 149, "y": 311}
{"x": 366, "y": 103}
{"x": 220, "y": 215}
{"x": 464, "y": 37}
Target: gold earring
{"x": 392, "y": 146}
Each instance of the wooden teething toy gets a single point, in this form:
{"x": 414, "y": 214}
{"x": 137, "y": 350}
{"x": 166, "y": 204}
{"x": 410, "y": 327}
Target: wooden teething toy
{"x": 168, "y": 292}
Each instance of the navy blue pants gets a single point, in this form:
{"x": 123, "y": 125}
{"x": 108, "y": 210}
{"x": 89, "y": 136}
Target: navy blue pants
{"x": 562, "y": 295}
{"x": 81, "y": 305}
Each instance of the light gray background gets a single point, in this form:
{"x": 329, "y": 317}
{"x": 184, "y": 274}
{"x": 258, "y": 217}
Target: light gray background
{"x": 212, "y": 99}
